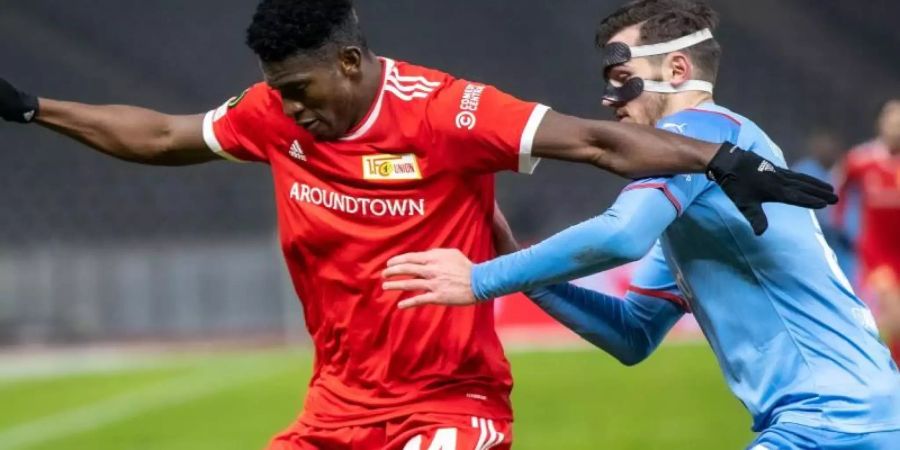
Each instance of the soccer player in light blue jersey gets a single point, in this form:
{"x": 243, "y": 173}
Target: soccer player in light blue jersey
{"x": 795, "y": 344}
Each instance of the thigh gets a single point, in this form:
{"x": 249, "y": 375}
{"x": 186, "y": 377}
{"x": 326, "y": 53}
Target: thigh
{"x": 449, "y": 432}
{"x": 790, "y": 437}
{"x": 782, "y": 437}
{"x": 300, "y": 436}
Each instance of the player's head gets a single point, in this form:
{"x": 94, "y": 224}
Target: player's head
{"x": 658, "y": 53}
{"x": 889, "y": 124}
{"x": 314, "y": 54}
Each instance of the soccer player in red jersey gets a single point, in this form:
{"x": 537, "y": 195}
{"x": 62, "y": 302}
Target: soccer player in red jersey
{"x": 873, "y": 169}
{"x": 372, "y": 158}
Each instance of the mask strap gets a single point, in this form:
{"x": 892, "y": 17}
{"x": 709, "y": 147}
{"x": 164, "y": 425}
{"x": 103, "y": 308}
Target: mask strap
{"x": 674, "y": 45}
{"x": 664, "y": 87}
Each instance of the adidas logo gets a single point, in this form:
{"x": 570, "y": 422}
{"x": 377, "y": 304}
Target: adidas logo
{"x": 296, "y": 151}
{"x": 28, "y": 115}
{"x": 766, "y": 166}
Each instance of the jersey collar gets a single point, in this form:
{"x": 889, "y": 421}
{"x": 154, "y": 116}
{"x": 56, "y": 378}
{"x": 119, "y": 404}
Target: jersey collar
{"x": 387, "y": 65}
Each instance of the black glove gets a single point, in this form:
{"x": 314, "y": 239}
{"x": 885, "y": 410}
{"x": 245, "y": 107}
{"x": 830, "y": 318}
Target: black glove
{"x": 15, "y": 105}
{"x": 749, "y": 180}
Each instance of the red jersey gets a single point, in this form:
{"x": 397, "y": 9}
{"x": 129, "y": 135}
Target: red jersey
{"x": 416, "y": 173}
{"x": 873, "y": 170}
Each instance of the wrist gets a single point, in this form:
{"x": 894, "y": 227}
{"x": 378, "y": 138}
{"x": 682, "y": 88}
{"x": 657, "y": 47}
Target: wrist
{"x": 32, "y": 105}
{"x": 478, "y": 283}
{"x": 723, "y": 162}
{"x": 17, "y": 106}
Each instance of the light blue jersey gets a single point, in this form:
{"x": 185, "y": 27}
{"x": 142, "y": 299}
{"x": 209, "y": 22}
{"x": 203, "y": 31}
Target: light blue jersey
{"x": 795, "y": 344}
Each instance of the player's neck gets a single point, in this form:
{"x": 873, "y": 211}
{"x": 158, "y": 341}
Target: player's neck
{"x": 372, "y": 70}
{"x": 685, "y": 100}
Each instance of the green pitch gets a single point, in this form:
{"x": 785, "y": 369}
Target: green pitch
{"x": 564, "y": 400}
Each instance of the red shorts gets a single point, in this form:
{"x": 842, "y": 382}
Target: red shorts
{"x": 415, "y": 432}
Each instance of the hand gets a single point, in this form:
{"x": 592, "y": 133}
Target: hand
{"x": 15, "y": 105}
{"x": 749, "y": 180}
{"x": 444, "y": 274}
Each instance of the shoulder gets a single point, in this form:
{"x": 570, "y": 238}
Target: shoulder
{"x": 257, "y": 101}
{"x": 705, "y": 124}
{"x": 240, "y": 117}
{"x": 411, "y": 83}
{"x": 439, "y": 89}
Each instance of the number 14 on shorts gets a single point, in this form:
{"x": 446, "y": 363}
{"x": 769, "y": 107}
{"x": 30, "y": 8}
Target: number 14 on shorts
{"x": 482, "y": 435}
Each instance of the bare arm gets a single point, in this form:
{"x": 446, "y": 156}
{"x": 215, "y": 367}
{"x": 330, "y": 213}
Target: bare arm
{"x": 636, "y": 151}
{"x": 629, "y": 150}
{"x": 129, "y": 133}
{"x": 504, "y": 240}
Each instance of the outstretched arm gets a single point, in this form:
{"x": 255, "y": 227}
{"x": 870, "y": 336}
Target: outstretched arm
{"x": 124, "y": 132}
{"x": 622, "y": 234}
{"x": 637, "y": 151}
{"x": 630, "y": 150}
{"x": 629, "y": 329}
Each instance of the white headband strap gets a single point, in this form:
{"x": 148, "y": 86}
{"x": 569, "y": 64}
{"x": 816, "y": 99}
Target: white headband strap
{"x": 668, "y": 47}
{"x": 664, "y": 87}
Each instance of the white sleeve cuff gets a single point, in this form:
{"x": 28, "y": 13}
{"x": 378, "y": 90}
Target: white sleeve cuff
{"x": 209, "y": 134}
{"x": 528, "y": 163}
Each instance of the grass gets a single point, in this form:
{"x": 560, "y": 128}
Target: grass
{"x": 564, "y": 400}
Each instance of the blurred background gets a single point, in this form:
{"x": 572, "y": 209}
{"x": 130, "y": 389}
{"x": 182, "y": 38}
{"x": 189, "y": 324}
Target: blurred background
{"x": 121, "y": 284}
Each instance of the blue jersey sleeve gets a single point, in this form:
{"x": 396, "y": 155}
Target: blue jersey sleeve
{"x": 624, "y": 233}
{"x": 709, "y": 126}
{"x": 628, "y": 329}
{"x": 654, "y": 280}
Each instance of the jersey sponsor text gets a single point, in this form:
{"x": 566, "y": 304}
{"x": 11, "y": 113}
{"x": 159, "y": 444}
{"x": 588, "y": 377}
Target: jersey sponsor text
{"x": 363, "y": 206}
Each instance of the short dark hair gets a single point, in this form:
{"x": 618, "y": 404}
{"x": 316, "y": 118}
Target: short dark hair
{"x": 284, "y": 28}
{"x": 664, "y": 20}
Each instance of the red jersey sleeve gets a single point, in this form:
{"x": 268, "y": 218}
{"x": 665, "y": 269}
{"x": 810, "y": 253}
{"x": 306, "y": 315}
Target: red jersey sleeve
{"x": 478, "y": 127}
{"x": 233, "y": 130}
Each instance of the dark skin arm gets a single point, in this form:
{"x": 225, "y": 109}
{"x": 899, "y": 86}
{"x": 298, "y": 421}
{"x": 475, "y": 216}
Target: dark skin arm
{"x": 504, "y": 240}
{"x": 148, "y": 137}
{"x": 130, "y": 133}
{"x": 629, "y": 150}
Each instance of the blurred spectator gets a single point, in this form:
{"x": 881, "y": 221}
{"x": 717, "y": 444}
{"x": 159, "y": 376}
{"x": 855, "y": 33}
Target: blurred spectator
{"x": 873, "y": 168}
{"x": 824, "y": 153}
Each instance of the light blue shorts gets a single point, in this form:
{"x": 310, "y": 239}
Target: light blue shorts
{"x": 788, "y": 436}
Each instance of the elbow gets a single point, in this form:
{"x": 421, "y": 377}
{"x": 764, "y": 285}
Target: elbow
{"x": 603, "y": 159}
{"x": 162, "y": 156}
{"x": 632, "y": 253}
{"x": 623, "y": 243}
{"x": 626, "y": 351}
{"x": 633, "y": 357}
{"x": 629, "y": 244}
{"x": 629, "y": 348}
{"x": 640, "y": 345}
{"x": 156, "y": 151}
{"x": 161, "y": 150}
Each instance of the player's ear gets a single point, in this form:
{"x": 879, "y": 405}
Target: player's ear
{"x": 678, "y": 68}
{"x": 350, "y": 60}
